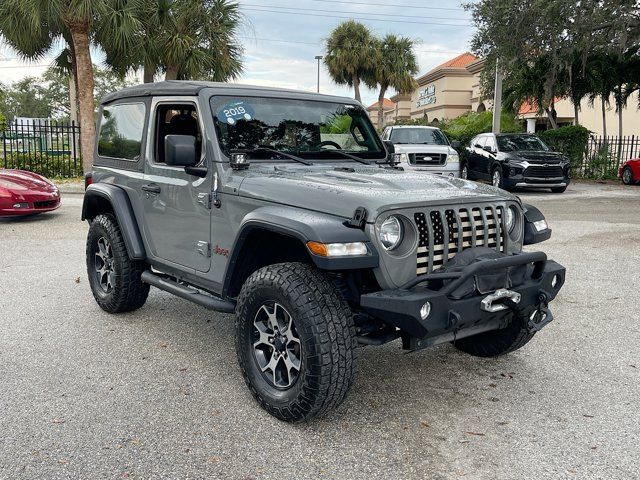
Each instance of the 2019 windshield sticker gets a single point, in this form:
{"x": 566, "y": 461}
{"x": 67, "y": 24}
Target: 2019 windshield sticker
{"x": 234, "y": 111}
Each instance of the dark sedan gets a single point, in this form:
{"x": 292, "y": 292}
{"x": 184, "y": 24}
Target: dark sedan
{"x": 515, "y": 160}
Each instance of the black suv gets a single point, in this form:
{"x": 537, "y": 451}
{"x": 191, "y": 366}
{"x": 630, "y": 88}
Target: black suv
{"x": 515, "y": 160}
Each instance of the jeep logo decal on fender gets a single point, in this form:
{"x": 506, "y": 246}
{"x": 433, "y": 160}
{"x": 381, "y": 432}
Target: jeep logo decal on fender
{"x": 221, "y": 251}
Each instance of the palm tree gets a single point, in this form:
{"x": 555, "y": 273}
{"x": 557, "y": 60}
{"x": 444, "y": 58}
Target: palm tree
{"x": 394, "y": 67}
{"x": 186, "y": 39}
{"x": 349, "y": 54}
{"x": 33, "y": 27}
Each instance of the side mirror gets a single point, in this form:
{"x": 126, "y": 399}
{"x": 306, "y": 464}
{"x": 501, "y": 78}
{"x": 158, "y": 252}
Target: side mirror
{"x": 477, "y": 145}
{"x": 488, "y": 148}
{"x": 180, "y": 150}
{"x": 456, "y": 144}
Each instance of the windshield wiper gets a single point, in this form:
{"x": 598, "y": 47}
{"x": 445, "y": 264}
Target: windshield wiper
{"x": 352, "y": 157}
{"x": 282, "y": 154}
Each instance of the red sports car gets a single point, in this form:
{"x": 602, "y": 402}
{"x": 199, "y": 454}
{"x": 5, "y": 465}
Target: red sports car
{"x": 629, "y": 171}
{"x": 26, "y": 193}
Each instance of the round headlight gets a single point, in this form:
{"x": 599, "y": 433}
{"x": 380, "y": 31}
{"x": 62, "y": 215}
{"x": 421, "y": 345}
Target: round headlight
{"x": 390, "y": 233}
{"x": 512, "y": 215}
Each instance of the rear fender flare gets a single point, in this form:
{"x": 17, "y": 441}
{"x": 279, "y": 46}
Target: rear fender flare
{"x": 95, "y": 198}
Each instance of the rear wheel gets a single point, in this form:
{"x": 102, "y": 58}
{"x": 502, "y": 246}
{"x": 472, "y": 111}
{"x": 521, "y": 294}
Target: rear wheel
{"x": 496, "y": 342}
{"x": 114, "y": 278}
{"x": 627, "y": 176}
{"x": 295, "y": 341}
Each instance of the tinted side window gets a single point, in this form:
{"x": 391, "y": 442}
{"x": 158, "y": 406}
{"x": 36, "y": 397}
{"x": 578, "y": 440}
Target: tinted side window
{"x": 121, "y": 128}
{"x": 480, "y": 141}
{"x": 491, "y": 142}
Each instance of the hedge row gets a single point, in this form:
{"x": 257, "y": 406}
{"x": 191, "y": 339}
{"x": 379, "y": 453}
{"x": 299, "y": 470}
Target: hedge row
{"x": 571, "y": 140}
{"x": 50, "y": 166}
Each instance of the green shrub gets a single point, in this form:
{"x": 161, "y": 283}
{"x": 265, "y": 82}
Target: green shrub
{"x": 601, "y": 166}
{"x": 470, "y": 124}
{"x": 50, "y": 166}
{"x": 3, "y": 122}
{"x": 572, "y": 141}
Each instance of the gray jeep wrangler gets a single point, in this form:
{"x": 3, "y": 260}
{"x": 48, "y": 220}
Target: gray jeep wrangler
{"x": 287, "y": 209}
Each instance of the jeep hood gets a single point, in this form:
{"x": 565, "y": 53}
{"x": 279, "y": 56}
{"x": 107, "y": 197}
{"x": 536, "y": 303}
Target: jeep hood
{"x": 330, "y": 190}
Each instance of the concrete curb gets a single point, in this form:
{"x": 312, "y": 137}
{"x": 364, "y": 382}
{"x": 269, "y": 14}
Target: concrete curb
{"x": 71, "y": 187}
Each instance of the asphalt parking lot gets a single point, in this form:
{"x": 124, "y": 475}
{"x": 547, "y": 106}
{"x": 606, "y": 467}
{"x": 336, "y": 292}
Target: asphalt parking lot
{"x": 157, "y": 393}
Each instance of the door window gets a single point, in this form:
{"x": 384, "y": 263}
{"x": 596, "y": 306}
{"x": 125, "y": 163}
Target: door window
{"x": 480, "y": 142}
{"x": 491, "y": 142}
{"x": 175, "y": 119}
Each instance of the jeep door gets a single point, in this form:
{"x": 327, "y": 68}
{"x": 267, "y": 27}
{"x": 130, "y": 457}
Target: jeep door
{"x": 176, "y": 205}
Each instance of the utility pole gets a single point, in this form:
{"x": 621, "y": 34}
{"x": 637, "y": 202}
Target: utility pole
{"x": 318, "y": 58}
{"x": 497, "y": 100}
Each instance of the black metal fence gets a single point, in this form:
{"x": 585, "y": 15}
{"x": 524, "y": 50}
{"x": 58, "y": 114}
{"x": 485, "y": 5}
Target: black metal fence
{"x": 605, "y": 154}
{"x": 47, "y": 147}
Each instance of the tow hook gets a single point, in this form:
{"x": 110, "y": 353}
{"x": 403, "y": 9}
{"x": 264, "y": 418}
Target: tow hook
{"x": 540, "y": 316}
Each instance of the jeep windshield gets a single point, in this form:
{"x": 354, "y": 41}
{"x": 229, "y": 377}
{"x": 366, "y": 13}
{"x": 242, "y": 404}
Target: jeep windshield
{"x": 309, "y": 129}
{"x": 515, "y": 143}
{"x": 415, "y": 136}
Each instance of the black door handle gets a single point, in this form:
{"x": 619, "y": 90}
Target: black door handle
{"x": 151, "y": 188}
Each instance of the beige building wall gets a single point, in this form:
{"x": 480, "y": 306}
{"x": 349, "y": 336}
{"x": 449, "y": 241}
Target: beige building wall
{"x": 590, "y": 117}
{"x": 401, "y": 110}
{"x": 443, "y": 98}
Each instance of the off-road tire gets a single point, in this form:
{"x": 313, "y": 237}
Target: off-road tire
{"x": 325, "y": 327}
{"x": 496, "y": 342}
{"x": 128, "y": 292}
{"x": 559, "y": 189}
{"x": 631, "y": 181}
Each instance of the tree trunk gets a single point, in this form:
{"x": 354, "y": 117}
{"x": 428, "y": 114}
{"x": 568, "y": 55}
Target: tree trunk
{"x": 84, "y": 67}
{"x": 172, "y": 72}
{"x": 619, "y": 135}
{"x": 356, "y": 87}
{"x": 576, "y": 113}
{"x": 149, "y": 72}
{"x": 383, "y": 90}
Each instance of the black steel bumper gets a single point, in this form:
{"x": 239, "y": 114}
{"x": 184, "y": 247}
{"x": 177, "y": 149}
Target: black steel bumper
{"x": 456, "y": 314}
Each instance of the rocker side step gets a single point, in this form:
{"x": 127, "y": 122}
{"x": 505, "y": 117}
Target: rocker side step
{"x": 188, "y": 293}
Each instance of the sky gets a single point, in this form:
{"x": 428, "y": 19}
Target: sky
{"x": 282, "y": 37}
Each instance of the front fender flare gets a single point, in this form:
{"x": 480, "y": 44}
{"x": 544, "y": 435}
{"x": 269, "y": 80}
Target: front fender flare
{"x": 304, "y": 226}
{"x": 94, "y": 199}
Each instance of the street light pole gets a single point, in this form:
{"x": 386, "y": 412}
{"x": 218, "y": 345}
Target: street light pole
{"x": 318, "y": 58}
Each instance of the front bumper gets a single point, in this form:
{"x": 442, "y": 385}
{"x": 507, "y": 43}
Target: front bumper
{"x": 455, "y": 315}
{"x": 450, "y": 169}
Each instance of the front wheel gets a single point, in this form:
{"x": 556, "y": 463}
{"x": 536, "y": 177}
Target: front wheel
{"x": 627, "y": 176}
{"x": 496, "y": 178}
{"x": 464, "y": 172}
{"x": 295, "y": 341}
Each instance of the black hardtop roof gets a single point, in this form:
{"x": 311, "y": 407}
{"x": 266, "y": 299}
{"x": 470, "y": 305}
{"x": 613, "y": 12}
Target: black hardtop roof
{"x": 192, "y": 87}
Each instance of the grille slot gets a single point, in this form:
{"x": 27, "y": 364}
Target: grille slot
{"x": 538, "y": 171}
{"x": 444, "y": 233}
{"x": 427, "y": 158}
{"x": 45, "y": 203}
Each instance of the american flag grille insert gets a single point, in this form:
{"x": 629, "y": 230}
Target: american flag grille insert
{"x": 443, "y": 233}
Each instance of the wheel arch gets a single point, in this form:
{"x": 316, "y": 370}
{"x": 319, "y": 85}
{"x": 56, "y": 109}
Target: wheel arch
{"x": 105, "y": 198}
{"x": 273, "y": 234}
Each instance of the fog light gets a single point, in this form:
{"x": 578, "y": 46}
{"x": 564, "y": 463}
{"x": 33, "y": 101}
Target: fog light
{"x": 20, "y": 205}
{"x": 425, "y": 310}
{"x": 451, "y": 175}
{"x": 554, "y": 281}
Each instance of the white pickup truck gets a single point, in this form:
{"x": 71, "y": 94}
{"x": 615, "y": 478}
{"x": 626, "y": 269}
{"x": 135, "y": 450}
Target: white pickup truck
{"x": 424, "y": 148}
